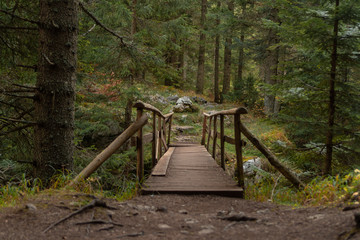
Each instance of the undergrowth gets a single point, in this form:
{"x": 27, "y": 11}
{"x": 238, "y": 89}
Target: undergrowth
{"x": 100, "y": 112}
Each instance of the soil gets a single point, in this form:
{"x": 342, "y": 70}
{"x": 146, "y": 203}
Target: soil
{"x": 172, "y": 217}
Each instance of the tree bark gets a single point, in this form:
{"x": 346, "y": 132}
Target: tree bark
{"x": 271, "y": 67}
{"x": 227, "y": 59}
{"x": 216, "y": 61}
{"x": 238, "y": 86}
{"x": 200, "y": 79}
{"x": 134, "y": 73}
{"x": 54, "y": 102}
{"x": 332, "y": 106}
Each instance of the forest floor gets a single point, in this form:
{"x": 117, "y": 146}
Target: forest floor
{"x": 170, "y": 217}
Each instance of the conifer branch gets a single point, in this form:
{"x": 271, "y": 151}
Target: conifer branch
{"x": 18, "y": 17}
{"x": 18, "y": 28}
{"x": 97, "y": 21}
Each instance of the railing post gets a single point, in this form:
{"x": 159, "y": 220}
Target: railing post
{"x": 203, "y": 131}
{"x": 139, "y": 147}
{"x": 209, "y": 134}
{"x": 159, "y": 138}
{"x": 222, "y": 142}
{"x": 153, "y": 149}
{"x": 164, "y": 131}
{"x": 170, "y": 121}
{"x": 238, "y": 147}
{"x": 214, "y": 138}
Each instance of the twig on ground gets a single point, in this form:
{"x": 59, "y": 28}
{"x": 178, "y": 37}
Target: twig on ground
{"x": 94, "y": 203}
{"x": 99, "y": 222}
{"x": 132, "y": 234}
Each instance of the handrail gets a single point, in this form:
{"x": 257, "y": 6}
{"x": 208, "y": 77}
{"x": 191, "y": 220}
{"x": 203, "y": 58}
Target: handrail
{"x": 158, "y": 140}
{"x": 238, "y": 129}
{"x": 159, "y": 135}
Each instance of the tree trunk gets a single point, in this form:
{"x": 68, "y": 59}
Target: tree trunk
{"x": 54, "y": 104}
{"x": 238, "y": 86}
{"x": 200, "y": 79}
{"x": 271, "y": 67}
{"x": 134, "y": 73}
{"x": 331, "y": 121}
{"x": 227, "y": 59}
{"x": 216, "y": 61}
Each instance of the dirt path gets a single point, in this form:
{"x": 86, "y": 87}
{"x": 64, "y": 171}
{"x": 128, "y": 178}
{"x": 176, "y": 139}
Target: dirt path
{"x": 172, "y": 217}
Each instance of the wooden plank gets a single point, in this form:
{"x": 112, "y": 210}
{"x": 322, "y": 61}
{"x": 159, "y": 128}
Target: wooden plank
{"x": 162, "y": 166}
{"x": 192, "y": 170}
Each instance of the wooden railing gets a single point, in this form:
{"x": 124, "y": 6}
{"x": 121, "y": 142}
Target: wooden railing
{"x": 238, "y": 129}
{"x": 157, "y": 137}
{"x": 213, "y": 134}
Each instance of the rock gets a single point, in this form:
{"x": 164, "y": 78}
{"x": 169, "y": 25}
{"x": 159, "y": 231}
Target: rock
{"x": 184, "y": 101}
{"x": 190, "y": 221}
{"x": 237, "y": 217}
{"x": 159, "y": 99}
{"x": 179, "y": 108}
{"x": 172, "y": 98}
{"x": 183, "y": 211}
{"x": 164, "y": 226}
{"x": 161, "y": 209}
{"x": 206, "y": 231}
{"x": 31, "y": 207}
{"x": 182, "y": 129}
{"x": 184, "y": 104}
{"x": 199, "y": 100}
{"x": 250, "y": 166}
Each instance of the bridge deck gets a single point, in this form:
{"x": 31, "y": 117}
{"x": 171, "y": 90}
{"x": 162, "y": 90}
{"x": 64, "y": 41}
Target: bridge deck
{"x": 192, "y": 170}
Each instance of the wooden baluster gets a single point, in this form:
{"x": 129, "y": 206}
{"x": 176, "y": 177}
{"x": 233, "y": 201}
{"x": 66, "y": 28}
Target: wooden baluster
{"x": 214, "y": 138}
{"x": 139, "y": 147}
{"x": 238, "y": 147}
{"x": 222, "y": 142}
{"x": 170, "y": 121}
{"x": 209, "y": 134}
{"x": 153, "y": 149}
{"x": 203, "y": 131}
{"x": 164, "y": 132}
{"x": 159, "y": 138}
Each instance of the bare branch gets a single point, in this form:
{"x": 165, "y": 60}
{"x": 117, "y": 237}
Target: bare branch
{"x": 18, "y": 28}
{"x": 81, "y": 4}
{"x": 17, "y": 120}
{"x": 16, "y": 129}
{"x": 18, "y": 96}
{"x": 27, "y": 66}
{"x": 48, "y": 60}
{"x": 88, "y": 31}
{"x": 21, "y": 18}
{"x": 23, "y": 86}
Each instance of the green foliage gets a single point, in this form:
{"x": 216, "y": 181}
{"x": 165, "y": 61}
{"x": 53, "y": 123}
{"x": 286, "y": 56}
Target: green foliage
{"x": 319, "y": 192}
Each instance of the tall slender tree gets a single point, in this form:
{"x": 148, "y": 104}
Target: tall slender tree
{"x": 200, "y": 78}
{"x": 217, "y": 59}
{"x": 332, "y": 94}
{"x": 227, "y": 54}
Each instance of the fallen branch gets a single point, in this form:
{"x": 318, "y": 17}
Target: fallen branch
{"x": 133, "y": 234}
{"x": 94, "y": 203}
{"x": 99, "y": 222}
{"x": 272, "y": 158}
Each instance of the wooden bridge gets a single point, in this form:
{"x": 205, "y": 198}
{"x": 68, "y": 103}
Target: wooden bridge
{"x": 187, "y": 168}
